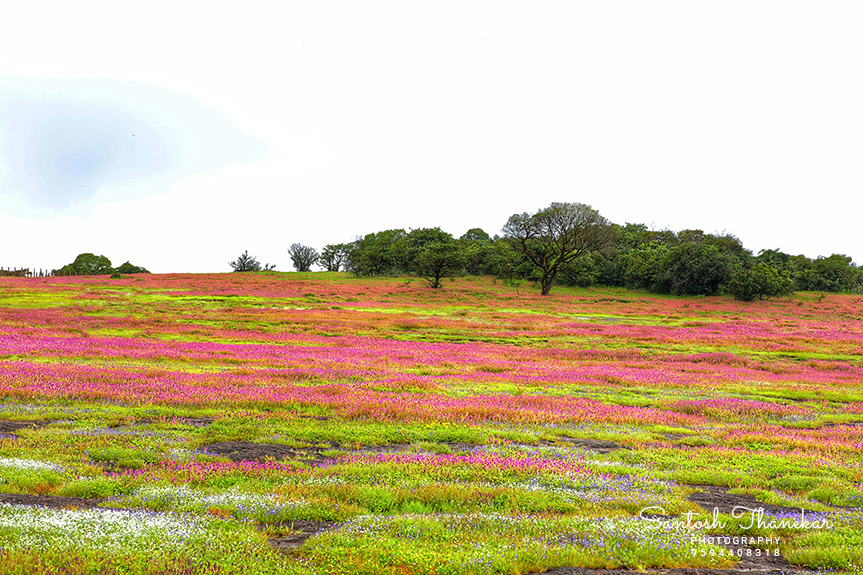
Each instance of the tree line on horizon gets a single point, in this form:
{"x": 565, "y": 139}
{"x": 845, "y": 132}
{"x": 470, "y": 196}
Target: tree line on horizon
{"x": 564, "y": 244}
{"x": 572, "y": 244}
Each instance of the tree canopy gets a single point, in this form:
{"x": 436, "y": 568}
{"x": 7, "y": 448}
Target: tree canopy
{"x": 246, "y": 263}
{"x": 128, "y": 268}
{"x": 553, "y": 237}
{"x": 334, "y": 257}
{"x": 572, "y": 244}
{"x": 88, "y": 264}
{"x": 564, "y": 243}
{"x": 304, "y": 257}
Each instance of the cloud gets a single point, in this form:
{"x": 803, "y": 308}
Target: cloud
{"x": 64, "y": 141}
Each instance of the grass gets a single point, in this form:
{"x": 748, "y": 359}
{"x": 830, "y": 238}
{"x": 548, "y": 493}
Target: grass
{"x": 433, "y": 431}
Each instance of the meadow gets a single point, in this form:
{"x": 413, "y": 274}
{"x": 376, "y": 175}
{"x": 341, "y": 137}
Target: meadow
{"x": 255, "y": 423}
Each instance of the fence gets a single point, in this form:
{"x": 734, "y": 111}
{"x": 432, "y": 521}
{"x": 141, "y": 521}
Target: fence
{"x": 27, "y": 273}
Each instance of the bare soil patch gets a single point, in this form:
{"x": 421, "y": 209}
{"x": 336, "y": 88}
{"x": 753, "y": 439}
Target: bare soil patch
{"x": 715, "y": 496}
{"x": 598, "y": 445}
{"x": 203, "y": 421}
{"x": 249, "y": 451}
{"x": 300, "y": 532}
{"x": 315, "y": 417}
{"x": 459, "y": 446}
{"x": 192, "y": 421}
{"x": 8, "y": 427}
{"x": 52, "y": 501}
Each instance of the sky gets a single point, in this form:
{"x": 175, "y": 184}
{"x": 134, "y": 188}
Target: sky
{"x": 176, "y": 135}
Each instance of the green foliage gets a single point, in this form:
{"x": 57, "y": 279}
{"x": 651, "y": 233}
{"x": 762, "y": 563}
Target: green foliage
{"x": 128, "y": 268}
{"x": 381, "y": 253}
{"x": 508, "y": 263}
{"x": 835, "y": 273}
{"x": 555, "y": 236}
{"x": 572, "y": 244}
{"x": 416, "y": 242}
{"x": 479, "y": 256}
{"x": 246, "y": 263}
{"x": 438, "y": 260}
{"x": 583, "y": 271}
{"x": 475, "y": 235}
{"x": 334, "y": 257}
{"x": 642, "y": 265}
{"x": 303, "y": 257}
{"x": 87, "y": 264}
{"x": 762, "y": 281}
{"x": 90, "y": 264}
{"x": 694, "y": 268}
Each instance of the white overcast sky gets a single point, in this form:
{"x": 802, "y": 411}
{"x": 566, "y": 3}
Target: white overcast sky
{"x": 178, "y": 134}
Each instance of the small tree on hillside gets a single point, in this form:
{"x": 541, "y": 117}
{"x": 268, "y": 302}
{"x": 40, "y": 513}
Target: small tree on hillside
{"x": 415, "y": 242}
{"x": 334, "y": 257}
{"x": 246, "y": 263}
{"x": 437, "y": 261}
{"x": 304, "y": 257}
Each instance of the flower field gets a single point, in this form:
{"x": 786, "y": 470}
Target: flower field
{"x": 321, "y": 423}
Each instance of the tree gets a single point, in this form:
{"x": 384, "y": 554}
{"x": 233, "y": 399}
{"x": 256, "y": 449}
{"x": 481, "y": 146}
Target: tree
{"x": 777, "y": 259}
{"x": 87, "y": 265}
{"x": 415, "y": 243}
{"x": 557, "y": 235}
{"x": 475, "y": 235}
{"x": 246, "y": 263}
{"x": 643, "y": 264}
{"x": 835, "y": 273}
{"x": 438, "y": 260}
{"x": 583, "y": 271}
{"x": 762, "y": 281}
{"x": 509, "y": 264}
{"x": 334, "y": 257}
{"x": 377, "y": 254}
{"x": 128, "y": 268}
{"x": 304, "y": 257}
{"x": 695, "y": 268}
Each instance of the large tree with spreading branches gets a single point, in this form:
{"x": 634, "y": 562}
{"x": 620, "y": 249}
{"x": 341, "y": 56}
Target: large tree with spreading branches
{"x": 555, "y": 236}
